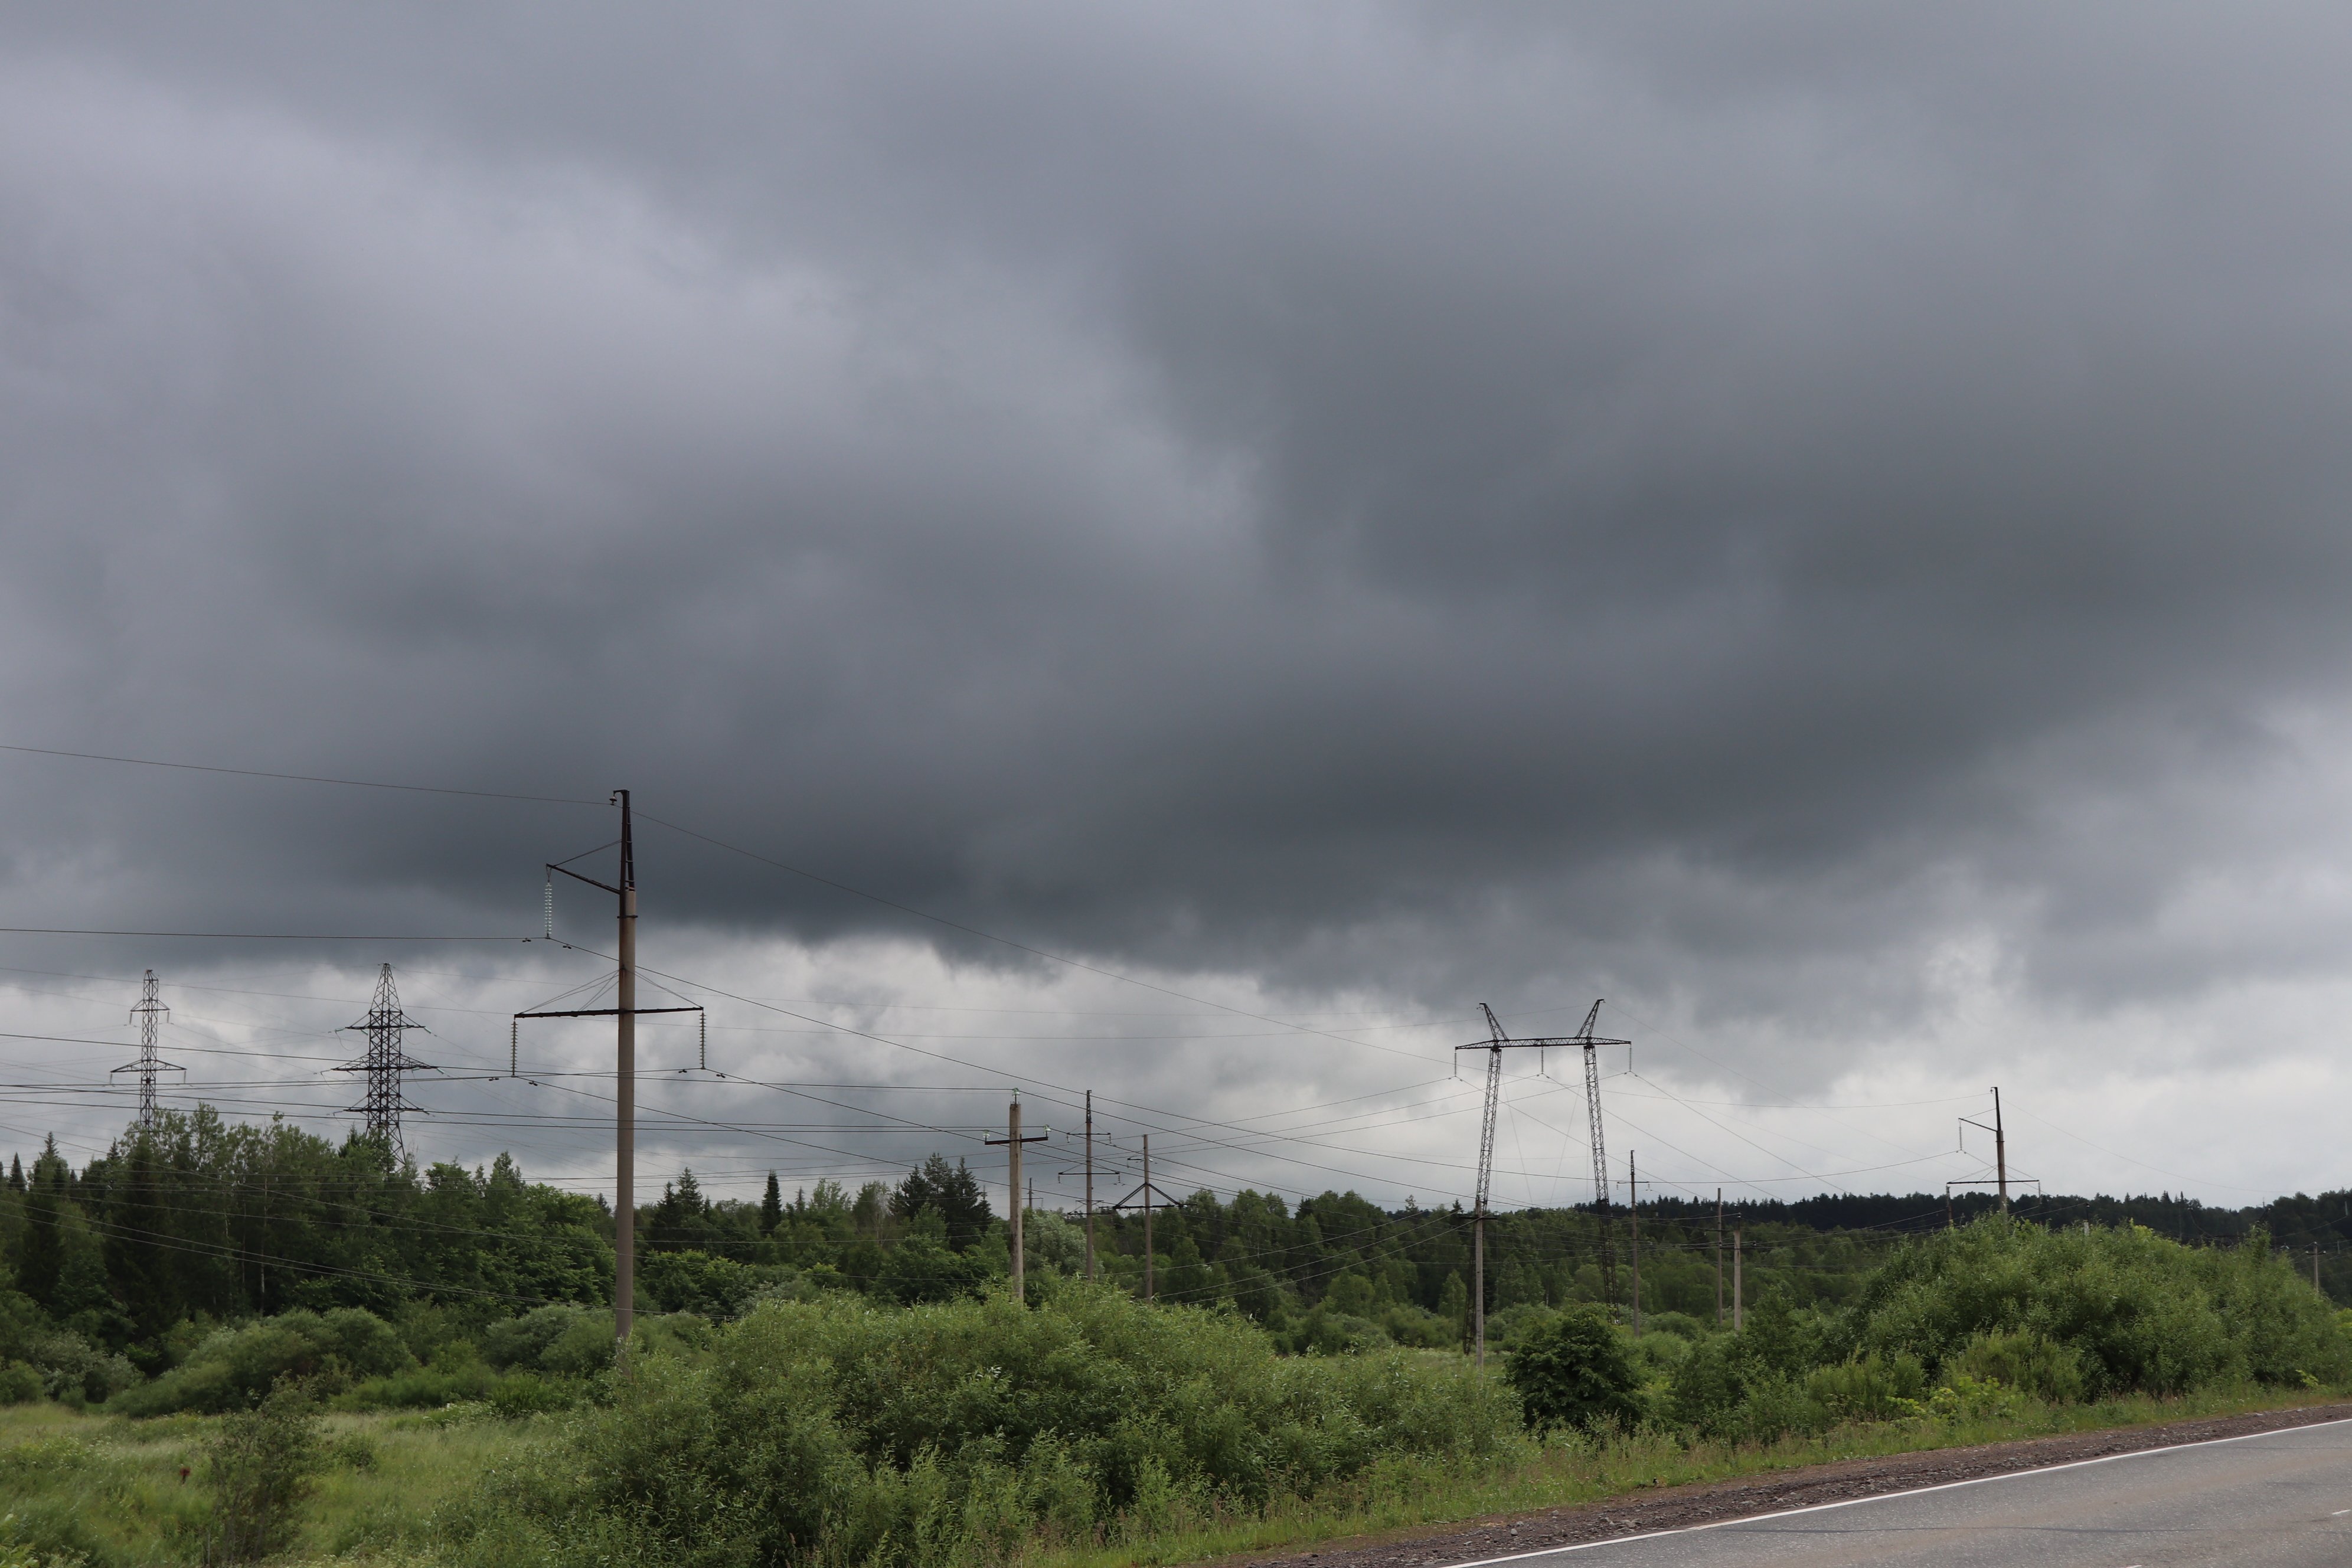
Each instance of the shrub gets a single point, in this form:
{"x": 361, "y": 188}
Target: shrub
{"x": 714, "y": 1287}
{"x": 74, "y": 1371}
{"x": 528, "y": 1394}
{"x": 583, "y": 1349}
{"x": 1682, "y": 1325}
{"x": 837, "y": 1431}
{"x": 1572, "y": 1371}
{"x": 19, "y": 1383}
{"x": 235, "y": 1367}
{"x": 921, "y": 1269}
{"x": 1870, "y": 1387}
{"x": 1708, "y": 1387}
{"x": 259, "y": 1467}
{"x": 2026, "y": 1360}
{"x": 2135, "y": 1311}
{"x": 1409, "y": 1325}
{"x": 420, "y": 1388}
{"x": 519, "y": 1341}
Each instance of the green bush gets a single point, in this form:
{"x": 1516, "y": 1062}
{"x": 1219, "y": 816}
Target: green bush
{"x": 1870, "y": 1387}
{"x": 921, "y": 1269}
{"x": 258, "y": 1468}
{"x": 235, "y": 1367}
{"x": 76, "y": 1372}
{"x": 714, "y": 1287}
{"x": 528, "y": 1394}
{"x": 2135, "y": 1311}
{"x": 20, "y": 1383}
{"x": 1409, "y": 1325}
{"x": 520, "y": 1342}
{"x": 837, "y": 1431}
{"x": 2026, "y": 1360}
{"x": 419, "y": 1388}
{"x": 1572, "y": 1371}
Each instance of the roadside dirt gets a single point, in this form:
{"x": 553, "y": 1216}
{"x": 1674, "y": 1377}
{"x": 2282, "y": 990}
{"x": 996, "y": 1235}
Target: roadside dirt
{"x": 1708, "y": 1502}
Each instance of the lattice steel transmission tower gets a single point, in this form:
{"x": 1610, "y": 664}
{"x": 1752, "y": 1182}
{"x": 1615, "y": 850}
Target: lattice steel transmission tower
{"x": 1494, "y": 1044}
{"x": 147, "y": 1015}
{"x": 385, "y": 1026}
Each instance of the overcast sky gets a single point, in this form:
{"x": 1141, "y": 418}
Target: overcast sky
{"x": 1824, "y": 524}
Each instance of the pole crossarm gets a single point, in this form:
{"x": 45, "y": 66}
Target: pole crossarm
{"x": 592, "y": 882}
{"x": 1165, "y": 1202}
{"x": 608, "y": 1012}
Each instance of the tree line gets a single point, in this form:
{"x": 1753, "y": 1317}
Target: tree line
{"x": 195, "y": 1221}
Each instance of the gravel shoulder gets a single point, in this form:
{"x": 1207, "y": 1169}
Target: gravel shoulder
{"x": 1708, "y": 1502}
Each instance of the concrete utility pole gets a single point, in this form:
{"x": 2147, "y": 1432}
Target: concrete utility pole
{"x": 1012, "y": 1142}
{"x": 1738, "y": 1295}
{"x": 2000, "y": 1150}
{"x": 624, "y": 1014}
{"x": 1718, "y": 1258}
{"x": 625, "y": 1093}
{"x": 1152, "y": 1198}
{"x": 1091, "y": 1186}
{"x": 1634, "y": 1211}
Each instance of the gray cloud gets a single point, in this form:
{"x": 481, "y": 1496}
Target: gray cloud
{"x": 1443, "y": 502}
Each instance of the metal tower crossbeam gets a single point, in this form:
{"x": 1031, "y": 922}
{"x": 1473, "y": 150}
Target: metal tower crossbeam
{"x": 385, "y": 1026}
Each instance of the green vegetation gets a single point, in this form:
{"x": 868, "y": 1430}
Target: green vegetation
{"x": 237, "y": 1341}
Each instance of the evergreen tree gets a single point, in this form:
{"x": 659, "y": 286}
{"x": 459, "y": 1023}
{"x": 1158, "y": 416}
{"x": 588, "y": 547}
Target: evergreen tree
{"x": 772, "y": 1207}
{"x": 681, "y": 1221}
{"x": 44, "y": 1256}
{"x": 15, "y": 1174}
{"x": 952, "y": 1192}
{"x": 138, "y": 1265}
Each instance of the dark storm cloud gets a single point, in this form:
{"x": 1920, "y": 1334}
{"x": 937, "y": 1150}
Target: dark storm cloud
{"x": 1437, "y": 498}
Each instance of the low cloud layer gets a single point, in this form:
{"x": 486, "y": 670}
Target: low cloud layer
{"x": 1817, "y": 524}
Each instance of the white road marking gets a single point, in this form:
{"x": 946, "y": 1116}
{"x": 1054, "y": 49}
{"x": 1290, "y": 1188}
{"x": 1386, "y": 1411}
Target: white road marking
{"x": 1889, "y": 1497}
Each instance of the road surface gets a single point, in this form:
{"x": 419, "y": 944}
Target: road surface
{"x": 2275, "y": 1499}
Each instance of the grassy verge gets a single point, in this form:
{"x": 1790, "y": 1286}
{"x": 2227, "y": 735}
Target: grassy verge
{"x": 112, "y": 1489}
{"x": 1404, "y": 1498}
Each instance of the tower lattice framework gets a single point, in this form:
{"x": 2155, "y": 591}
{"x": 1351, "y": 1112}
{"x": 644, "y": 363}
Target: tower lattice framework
{"x": 150, "y": 1014}
{"x": 386, "y": 1027}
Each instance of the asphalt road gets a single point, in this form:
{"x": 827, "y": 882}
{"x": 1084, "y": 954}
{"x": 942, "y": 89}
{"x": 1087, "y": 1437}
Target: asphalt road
{"x": 2278, "y": 1499}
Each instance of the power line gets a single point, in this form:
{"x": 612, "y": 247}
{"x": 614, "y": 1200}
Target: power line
{"x": 305, "y": 778}
{"x": 241, "y": 935}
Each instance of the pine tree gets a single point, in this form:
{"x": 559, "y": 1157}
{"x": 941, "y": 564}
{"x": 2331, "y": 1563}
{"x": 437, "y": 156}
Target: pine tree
{"x": 138, "y": 1265}
{"x": 951, "y": 1191}
{"x": 772, "y": 1207}
{"x": 15, "y": 1172}
{"x": 43, "y": 1258}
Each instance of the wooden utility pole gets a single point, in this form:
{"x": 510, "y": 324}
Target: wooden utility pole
{"x": 1718, "y": 1258}
{"x": 1012, "y": 1142}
